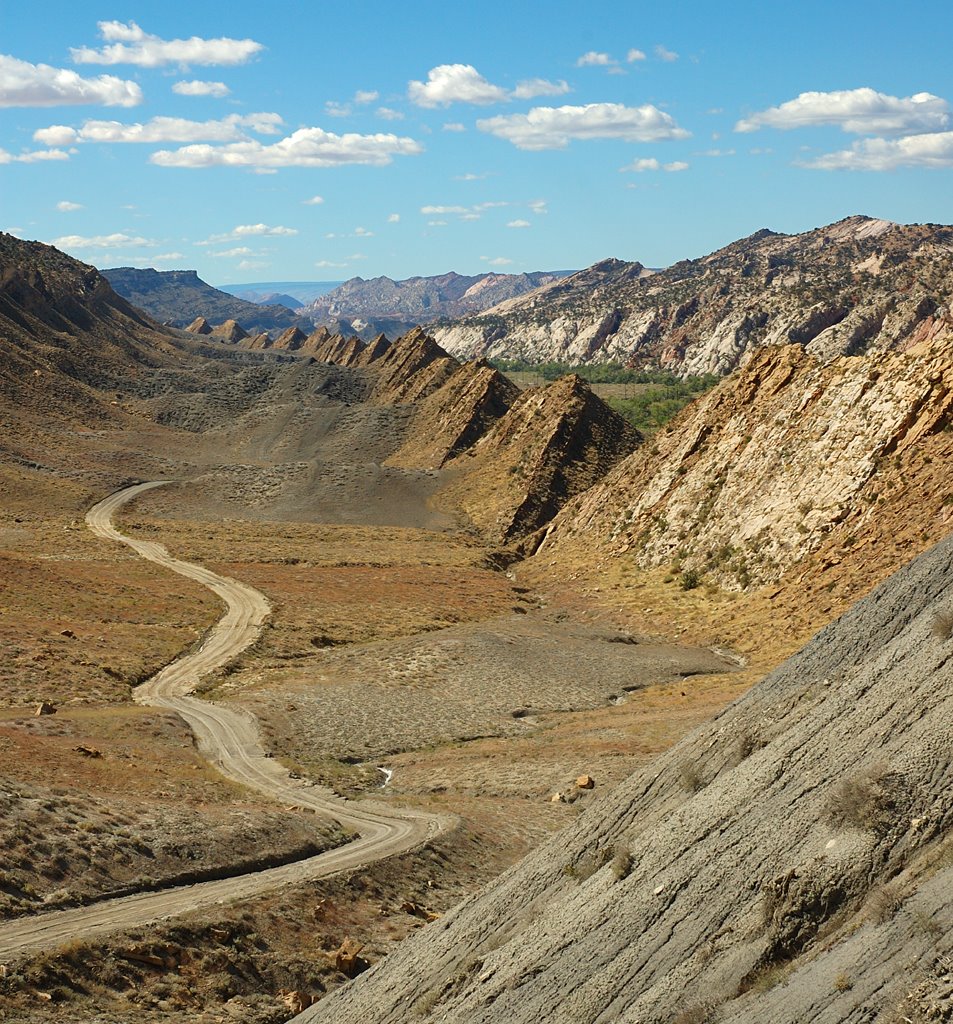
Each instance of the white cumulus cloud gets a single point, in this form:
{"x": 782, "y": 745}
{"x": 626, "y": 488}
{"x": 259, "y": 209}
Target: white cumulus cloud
{"x": 196, "y": 88}
{"x": 555, "y": 127}
{"x": 161, "y": 129}
{"x": 533, "y": 87}
{"x": 65, "y": 206}
{"x": 32, "y": 157}
{"x": 651, "y": 164}
{"x": 129, "y": 44}
{"x": 496, "y": 261}
{"x": 594, "y": 59}
{"x": 454, "y": 126}
{"x": 307, "y": 147}
{"x": 931, "y": 150}
{"x": 114, "y": 241}
{"x": 454, "y": 83}
{"x": 393, "y": 218}
{"x": 389, "y": 114}
{"x": 239, "y": 250}
{"x": 663, "y": 53}
{"x": 858, "y": 111}
{"x": 518, "y": 224}
{"x": 39, "y": 85}
{"x": 634, "y": 55}
{"x": 314, "y": 201}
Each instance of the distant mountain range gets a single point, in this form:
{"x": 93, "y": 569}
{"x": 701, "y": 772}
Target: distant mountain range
{"x": 382, "y": 304}
{"x": 859, "y": 285}
{"x": 177, "y": 297}
{"x": 284, "y": 293}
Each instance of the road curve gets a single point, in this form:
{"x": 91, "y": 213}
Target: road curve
{"x": 229, "y": 738}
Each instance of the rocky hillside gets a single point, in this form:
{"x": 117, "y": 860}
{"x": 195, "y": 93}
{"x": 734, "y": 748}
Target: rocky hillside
{"x": 855, "y": 286}
{"x": 64, "y": 331}
{"x": 177, "y": 297}
{"x": 790, "y": 861}
{"x": 418, "y": 300}
{"x": 788, "y": 458}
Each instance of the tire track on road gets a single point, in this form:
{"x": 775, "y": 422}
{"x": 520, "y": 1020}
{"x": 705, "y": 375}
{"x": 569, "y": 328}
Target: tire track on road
{"x": 229, "y": 738}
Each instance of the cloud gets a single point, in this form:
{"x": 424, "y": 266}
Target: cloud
{"x": 436, "y": 223}
{"x": 114, "y": 241}
{"x": 249, "y": 231}
{"x": 329, "y": 263}
{"x": 454, "y": 83}
{"x": 216, "y": 89}
{"x": 393, "y": 218}
{"x": 594, "y": 59}
{"x": 443, "y": 210}
{"x": 496, "y": 261}
{"x": 129, "y": 44}
{"x": 307, "y": 147}
{"x": 555, "y": 127}
{"x": 365, "y": 96}
{"x": 32, "y": 157}
{"x": 454, "y": 126}
{"x": 471, "y": 216}
{"x": 469, "y": 176}
{"x": 388, "y": 114}
{"x": 239, "y": 250}
{"x": 65, "y": 206}
{"x": 651, "y": 164}
{"x": 161, "y": 129}
{"x": 532, "y": 87}
{"x": 932, "y": 150}
{"x": 538, "y": 206}
{"x": 518, "y": 224}
{"x": 633, "y": 55}
{"x": 665, "y": 54}
{"x": 39, "y": 85}
{"x": 334, "y": 109}
{"x": 168, "y": 257}
{"x": 858, "y": 111}
{"x": 252, "y": 265}
{"x": 363, "y": 233}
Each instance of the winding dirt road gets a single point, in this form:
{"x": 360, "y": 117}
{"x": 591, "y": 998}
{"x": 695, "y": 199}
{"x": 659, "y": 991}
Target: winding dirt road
{"x": 229, "y": 738}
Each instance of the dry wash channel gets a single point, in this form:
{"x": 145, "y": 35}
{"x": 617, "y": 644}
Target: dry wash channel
{"x": 230, "y": 740}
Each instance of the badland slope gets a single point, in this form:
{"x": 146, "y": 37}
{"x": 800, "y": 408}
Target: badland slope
{"x": 788, "y": 861}
{"x": 855, "y": 286}
{"x": 64, "y": 332}
{"x": 177, "y": 297}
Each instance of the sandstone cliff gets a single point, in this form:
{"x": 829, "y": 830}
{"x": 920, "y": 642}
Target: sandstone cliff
{"x": 854, "y": 286}
{"x": 410, "y": 369}
{"x": 787, "y": 458}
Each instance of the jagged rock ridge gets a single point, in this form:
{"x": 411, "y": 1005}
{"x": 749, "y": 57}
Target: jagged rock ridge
{"x": 860, "y": 284}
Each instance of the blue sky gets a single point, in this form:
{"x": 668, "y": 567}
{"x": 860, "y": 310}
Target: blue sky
{"x": 320, "y": 141}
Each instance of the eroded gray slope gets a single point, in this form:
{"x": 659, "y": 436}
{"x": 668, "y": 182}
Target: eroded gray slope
{"x": 810, "y": 877}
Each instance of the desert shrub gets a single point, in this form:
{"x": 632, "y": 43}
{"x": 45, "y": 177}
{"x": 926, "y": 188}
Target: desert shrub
{"x": 866, "y": 800}
{"x": 622, "y": 863}
{"x": 691, "y": 579}
{"x": 883, "y": 902}
{"x": 689, "y": 777}
{"x": 943, "y": 624}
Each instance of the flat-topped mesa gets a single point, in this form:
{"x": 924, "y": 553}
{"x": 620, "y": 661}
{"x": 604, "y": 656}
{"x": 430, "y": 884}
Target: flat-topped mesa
{"x": 553, "y": 443}
{"x": 373, "y": 350}
{"x": 412, "y": 368}
{"x": 199, "y": 326}
{"x": 455, "y": 416}
{"x": 231, "y": 331}
{"x": 290, "y": 340}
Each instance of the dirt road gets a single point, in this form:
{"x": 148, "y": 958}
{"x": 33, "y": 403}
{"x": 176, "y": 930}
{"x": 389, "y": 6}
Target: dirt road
{"x": 229, "y": 738}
